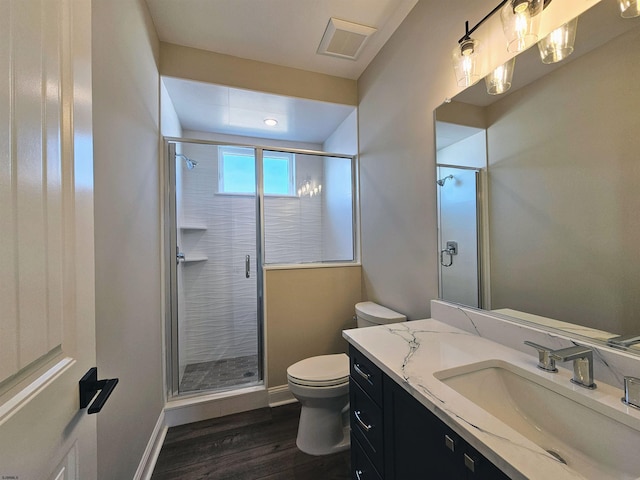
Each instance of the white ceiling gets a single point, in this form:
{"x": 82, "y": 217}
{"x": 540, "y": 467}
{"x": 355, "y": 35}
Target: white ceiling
{"x": 281, "y": 32}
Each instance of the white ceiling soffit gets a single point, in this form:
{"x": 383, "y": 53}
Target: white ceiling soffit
{"x": 450, "y": 133}
{"x": 206, "y": 107}
{"x": 281, "y": 32}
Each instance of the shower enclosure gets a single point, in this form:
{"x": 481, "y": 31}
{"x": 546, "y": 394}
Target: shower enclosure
{"x": 228, "y": 207}
{"x": 215, "y": 283}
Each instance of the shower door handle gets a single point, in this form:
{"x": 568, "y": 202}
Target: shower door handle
{"x": 451, "y": 250}
{"x": 442, "y": 254}
{"x": 247, "y": 266}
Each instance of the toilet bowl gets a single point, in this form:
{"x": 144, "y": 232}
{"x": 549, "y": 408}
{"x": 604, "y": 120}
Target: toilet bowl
{"x": 321, "y": 385}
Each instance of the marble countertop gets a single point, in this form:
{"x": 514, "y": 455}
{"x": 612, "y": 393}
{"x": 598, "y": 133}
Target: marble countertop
{"x": 411, "y": 352}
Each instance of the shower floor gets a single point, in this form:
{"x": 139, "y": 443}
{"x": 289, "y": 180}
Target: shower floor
{"x": 219, "y": 374}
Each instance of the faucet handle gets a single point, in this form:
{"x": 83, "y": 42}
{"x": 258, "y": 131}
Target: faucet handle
{"x": 582, "y": 358}
{"x": 631, "y": 392}
{"x": 624, "y": 340}
{"x": 545, "y": 360}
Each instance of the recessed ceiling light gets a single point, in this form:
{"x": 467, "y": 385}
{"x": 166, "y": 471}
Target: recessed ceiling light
{"x": 271, "y": 122}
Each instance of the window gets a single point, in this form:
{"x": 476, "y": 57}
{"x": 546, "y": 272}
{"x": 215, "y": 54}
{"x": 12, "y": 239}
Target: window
{"x": 237, "y": 175}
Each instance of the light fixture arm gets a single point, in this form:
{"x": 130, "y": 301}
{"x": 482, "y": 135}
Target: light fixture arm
{"x": 486, "y": 17}
{"x": 475, "y": 27}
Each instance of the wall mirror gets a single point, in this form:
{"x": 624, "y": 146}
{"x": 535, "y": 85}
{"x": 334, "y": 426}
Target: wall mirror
{"x": 558, "y": 241}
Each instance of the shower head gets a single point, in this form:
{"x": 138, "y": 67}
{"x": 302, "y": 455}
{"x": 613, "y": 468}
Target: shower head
{"x": 190, "y": 163}
{"x": 443, "y": 180}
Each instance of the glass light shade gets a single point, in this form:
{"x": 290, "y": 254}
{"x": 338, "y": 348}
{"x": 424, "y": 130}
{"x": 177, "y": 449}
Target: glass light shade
{"x": 465, "y": 62}
{"x": 499, "y": 81}
{"x": 558, "y": 45}
{"x": 629, "y": 8}
{"x": 521, "y": 22}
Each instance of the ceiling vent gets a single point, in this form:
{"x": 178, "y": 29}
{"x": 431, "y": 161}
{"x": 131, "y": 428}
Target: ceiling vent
{"x": 344, "y": 39}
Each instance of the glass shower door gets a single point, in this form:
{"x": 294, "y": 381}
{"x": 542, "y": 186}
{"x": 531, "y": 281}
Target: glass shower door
{"x": 216, "y": 276}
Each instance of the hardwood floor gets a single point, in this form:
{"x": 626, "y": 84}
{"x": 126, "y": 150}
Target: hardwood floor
{"x": 255, "y": 445}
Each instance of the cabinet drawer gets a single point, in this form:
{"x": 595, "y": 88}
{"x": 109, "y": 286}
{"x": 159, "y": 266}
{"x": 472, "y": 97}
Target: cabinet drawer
{"x": 367, "y": 424}
{"x": 366, "y": 374}
{"x": 361, "y": 466}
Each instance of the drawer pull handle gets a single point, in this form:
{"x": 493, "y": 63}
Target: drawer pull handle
{"x": 362, "y": 373}
{"x": 366, "y": 427}
{"x": 448, "y": 441}
{"x": 358, "y": 473}
{"x": 469, "y": 462}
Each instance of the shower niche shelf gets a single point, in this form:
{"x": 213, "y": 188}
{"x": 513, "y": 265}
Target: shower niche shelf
{"x": 193, "y": 227}
{"x": 195, "y": 258}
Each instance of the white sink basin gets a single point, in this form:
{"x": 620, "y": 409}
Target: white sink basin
{"x": 586, "y": 434}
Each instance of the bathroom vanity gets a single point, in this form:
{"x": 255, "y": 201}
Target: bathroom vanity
{"x": 393, "y": 436}
{"x": 429, "y": 400}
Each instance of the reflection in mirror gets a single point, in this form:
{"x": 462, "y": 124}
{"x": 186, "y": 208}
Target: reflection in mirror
{"x": 562, "y": 229}
{"x": 458, "y": 234}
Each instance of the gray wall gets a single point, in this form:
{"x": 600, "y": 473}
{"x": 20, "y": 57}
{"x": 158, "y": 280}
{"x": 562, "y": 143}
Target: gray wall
{"x": 127, "y": 231}
{"x": 398, "y": 92}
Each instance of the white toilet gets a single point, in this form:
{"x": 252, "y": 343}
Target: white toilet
{"x": 321, "y": 385}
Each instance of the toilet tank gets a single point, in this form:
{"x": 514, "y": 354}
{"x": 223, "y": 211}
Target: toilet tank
{"x": 370, "y": 314}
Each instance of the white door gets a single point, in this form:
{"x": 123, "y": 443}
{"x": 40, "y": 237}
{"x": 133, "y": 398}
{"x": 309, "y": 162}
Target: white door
{"x": 47, "y": 317}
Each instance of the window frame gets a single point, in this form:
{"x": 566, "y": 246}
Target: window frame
{"x": 251, "y": 152}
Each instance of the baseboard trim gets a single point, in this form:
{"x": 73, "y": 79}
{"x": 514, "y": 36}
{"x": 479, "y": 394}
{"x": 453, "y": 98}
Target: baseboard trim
{"x": 280, "y": 395}
{"x": 150, "y": 455}
{"x": 205, "y": 407}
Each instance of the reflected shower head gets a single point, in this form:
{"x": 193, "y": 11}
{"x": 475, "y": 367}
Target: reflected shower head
{"x": 190, "y": 163}
{"x": 443, "y": 180}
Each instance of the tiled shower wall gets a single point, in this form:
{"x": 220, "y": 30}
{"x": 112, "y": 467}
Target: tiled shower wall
{"x": 219, "y": 303}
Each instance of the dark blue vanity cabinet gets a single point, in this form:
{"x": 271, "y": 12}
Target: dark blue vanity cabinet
{"x": 395, "y": 437}
{"x": 367, "y": 420}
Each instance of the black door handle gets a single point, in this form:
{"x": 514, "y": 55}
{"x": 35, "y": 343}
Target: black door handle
{"x": 90, "y": 385}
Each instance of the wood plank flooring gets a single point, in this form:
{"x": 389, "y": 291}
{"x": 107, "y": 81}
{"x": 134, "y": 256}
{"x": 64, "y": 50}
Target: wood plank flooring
{"x": 255, "y": 445}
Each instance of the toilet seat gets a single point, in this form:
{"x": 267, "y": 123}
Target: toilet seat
{"x": 321, "y": 371}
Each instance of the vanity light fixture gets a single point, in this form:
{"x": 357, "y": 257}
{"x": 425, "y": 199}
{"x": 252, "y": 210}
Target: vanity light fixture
{"x": 521, "y": 23}
{"x": 270, "y": 122}
{"x": 629, "y": 8}
{"x": 465, "y": 57}
{"x": 558, "y": 45}
{"x": 499, "y": 81}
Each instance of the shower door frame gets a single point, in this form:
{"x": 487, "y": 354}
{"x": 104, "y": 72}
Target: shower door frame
{"x": 171, "y": 246}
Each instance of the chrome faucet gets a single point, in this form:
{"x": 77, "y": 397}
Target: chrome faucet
{"x": 582, "y": 364}
{"x": 631, "y": 392}
{"x": 624, "y": 340}
{"x": 545, "y": 361}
